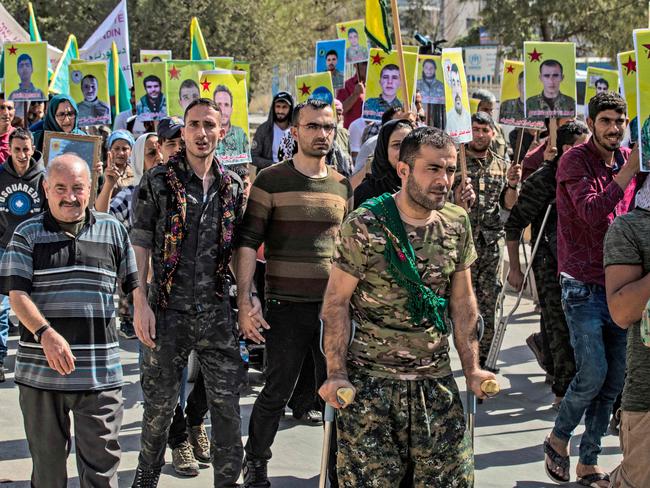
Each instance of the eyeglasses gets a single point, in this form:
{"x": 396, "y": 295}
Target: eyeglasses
{"x": 311, "y": 127}
{"x": 65, "y": 115}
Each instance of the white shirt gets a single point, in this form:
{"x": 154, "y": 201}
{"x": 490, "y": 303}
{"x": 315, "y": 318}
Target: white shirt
{"x": 356, "y": 134}
{"x": 121, "y": 120}
{"x": 278, "y": 134}
{"x": 366, "y": 150}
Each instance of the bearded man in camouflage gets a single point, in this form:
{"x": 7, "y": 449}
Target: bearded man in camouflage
{"x": 400, "y": 259}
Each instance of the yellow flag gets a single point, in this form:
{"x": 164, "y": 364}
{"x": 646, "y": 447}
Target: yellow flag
{"x": 377, "y": 24}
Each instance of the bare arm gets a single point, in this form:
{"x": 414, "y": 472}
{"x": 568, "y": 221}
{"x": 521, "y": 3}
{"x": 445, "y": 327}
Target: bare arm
{"x": 628, "y": 291}
{"x": 359, "y": 90}
{"x": 26, "y": 310}
{"x": 144, "y": 320}
{"x": 249, "y": 313}
{"x": 515, "y": 276}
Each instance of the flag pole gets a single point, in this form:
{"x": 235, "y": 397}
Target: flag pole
{"x": 400, "y": 53}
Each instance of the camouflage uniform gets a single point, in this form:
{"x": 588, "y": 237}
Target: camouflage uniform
{"x": 540, "y": 107}
{"x": 537, "y": 192}
{"x": 374, "y": 108}
{"x": 489, "y": 181}
{"x": 392, "y": 362}
{"x": 645, "y": 145}
{"x": 234, "y": 147}
{"x": 511, "y": 111}
{"x": 195, "y": 318}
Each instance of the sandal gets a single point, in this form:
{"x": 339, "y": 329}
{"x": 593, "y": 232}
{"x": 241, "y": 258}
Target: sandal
{"x": 558, "y": 461}
{"x": 593, "y": 479}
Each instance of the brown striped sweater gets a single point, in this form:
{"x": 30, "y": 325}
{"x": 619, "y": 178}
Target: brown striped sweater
{"x": 297, "y": 219}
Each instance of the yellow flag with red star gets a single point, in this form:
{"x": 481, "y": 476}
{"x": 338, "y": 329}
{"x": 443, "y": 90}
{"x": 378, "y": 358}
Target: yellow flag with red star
{"x": 642, "y": 50}
{"x": 627, "y": 75}
{"x": 377, "y": 24}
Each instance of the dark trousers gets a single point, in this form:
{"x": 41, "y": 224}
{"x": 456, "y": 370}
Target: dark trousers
{"x": 97, "y": 421}
{"x": 294, "y": 333}
{"x": 195, "y": 410}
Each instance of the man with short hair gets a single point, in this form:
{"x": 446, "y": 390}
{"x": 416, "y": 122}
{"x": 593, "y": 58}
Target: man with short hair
{"x": 331, "y": 60}
{"x": 266, "y": 143}
{"x": 602, "y": 85}
{"x": 91, "y": 110}
{"x": 458, "y": 117}
{"x": 60, "y": 271}
{"x": 353, "y": 94}
{"x": 551, "y": 102}
{"x": 26, "y": 89}
{"x": 431, "y": 89}
{"x": 389, "y": 80}
{"x": 187, "y": 93}
{"x": 170, "y": 141}
{"x": 193, "y": 200}
{"x": 355, "y": 52}
{"x": 7, "y": 114}
{"x": 234, "y": 146}
{"x": 596, "y": 182}
{"x": 486, "y": 104}
{"x": 21, "y": 198}
{"x": 513, "y": 110}
{"x": 153, "y": 101}
{"x": 300, "y": 196}
{"x": 402, "y": 267}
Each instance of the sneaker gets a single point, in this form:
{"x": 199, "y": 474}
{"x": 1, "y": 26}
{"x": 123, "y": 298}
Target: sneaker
{"x": 534, "y": 342}
{"x": 183, "y": 460}
{"x": 198, "y": 438}
{"x": 126, "y": 329}
{"x": 145, "y": 478}
{"x": 255, "y": 474}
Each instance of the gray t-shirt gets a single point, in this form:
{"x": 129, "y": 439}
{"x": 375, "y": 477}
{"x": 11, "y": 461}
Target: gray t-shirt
{"x": 628, "y": 243}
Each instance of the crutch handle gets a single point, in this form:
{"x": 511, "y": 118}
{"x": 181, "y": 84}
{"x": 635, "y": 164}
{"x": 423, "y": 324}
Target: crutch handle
{"x": 345, "y": 396}
{"x": 490, "y": 387}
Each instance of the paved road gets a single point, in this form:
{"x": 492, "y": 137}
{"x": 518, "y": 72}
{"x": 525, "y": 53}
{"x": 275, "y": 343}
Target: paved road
{"x": 510, "y": 428}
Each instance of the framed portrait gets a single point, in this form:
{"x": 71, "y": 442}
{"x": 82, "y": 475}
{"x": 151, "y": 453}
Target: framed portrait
{"x": 228, "y": 90}
{"x": 330, "y": 56}
{"x": 512, "y": 110}
{"x": 150, "y": 85}
{"x": 431, "y": 83}
{"x": 88, "y": 84}
{"x": 182, "y": 79}
{"x": 87, "y": 148}
{"x": 642, "y": 50}
{"x": 356, "y": 41}
{"x": 25, "y": 71}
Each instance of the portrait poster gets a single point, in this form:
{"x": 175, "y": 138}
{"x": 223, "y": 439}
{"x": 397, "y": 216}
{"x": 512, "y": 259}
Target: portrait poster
{"x": 430, "y": 84}
{"x": 182, "y": 80}
{"x": 228, "y": 90}
{"x": 383, "y": 83}
{"x": 150, "y": 85}
{"x": 600, "y": 80}
{"x": 627, "y": 76}
{"x": 642, "y": 50}
{"x": 356, "y": 41}
{"x": 550, "y": 79}
{"x": 223, "y": 62}
{"x": 473, "y": 105}
{"x": 88, "y": 84}
{"x": 315, "y": 85}
{"x": 512, "y": 108}
{"x": 244, "y": 66}
{"x": 330, "y": 56}
{"x": 457, "y": 107}
{"x": 155, "y": 55}
{"x": 25, "y": 69}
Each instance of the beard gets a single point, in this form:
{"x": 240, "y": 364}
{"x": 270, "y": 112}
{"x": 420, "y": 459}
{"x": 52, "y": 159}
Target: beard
{"x": 281, "y": 117}
{"x": 419, "y": 197}
{"x": 607, "y": 144}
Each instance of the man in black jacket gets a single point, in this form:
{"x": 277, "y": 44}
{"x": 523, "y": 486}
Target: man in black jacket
{"x": 21, "y": 198}
{"x": 266, "y": 143}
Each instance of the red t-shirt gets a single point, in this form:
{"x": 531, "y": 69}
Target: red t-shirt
{"x": 355, "y": 111}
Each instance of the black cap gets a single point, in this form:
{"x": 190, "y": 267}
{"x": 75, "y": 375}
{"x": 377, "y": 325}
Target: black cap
{"x": 284, "y": 96}
{"x": 170, "y": 127}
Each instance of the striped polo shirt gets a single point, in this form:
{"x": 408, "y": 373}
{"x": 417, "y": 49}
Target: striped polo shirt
{"x": 297, "y": 218}
{"x": 72, "y": 281}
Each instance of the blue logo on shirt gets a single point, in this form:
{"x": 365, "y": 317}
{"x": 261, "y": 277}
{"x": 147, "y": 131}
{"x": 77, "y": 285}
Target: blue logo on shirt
{"x": 20, "y": 203}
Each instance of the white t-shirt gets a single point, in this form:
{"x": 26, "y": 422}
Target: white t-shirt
{"x": 366, "y": 150}
{"x": 278, "y": 134}
{"x": 356, "y": 133}
{"x": 121, "y": 120}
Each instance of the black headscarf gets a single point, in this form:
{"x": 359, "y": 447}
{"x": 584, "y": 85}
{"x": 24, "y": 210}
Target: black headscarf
{"x": 382, "y": 177}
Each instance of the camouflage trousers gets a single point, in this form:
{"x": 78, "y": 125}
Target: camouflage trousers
{"x": 385, "y": 430}
{"x": 486, "y": 278}
{"x": 212, "y": 335}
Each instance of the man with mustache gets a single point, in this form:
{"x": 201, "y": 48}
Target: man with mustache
{"x": 331, "y": 60}
{"x": 7, "y": 113}
{"x": 295, "y": 209}
{"x": 458, "y": 118}
{"x": 402, "y": 270}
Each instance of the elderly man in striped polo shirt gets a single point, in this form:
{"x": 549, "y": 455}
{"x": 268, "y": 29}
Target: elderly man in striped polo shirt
{"x": 60, "y": 271}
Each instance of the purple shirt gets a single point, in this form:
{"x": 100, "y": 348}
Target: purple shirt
{"x": 588, "y": 200}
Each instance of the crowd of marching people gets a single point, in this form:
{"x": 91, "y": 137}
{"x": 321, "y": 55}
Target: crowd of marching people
{"x": 366, "y": 228}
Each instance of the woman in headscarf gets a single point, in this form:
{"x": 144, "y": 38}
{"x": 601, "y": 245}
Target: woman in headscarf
{"x": 61, "y": 117}
{"x": 383, "y": 177}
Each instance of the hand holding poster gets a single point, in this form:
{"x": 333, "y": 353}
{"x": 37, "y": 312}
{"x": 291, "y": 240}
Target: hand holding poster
{"x": 25, "y": 71}
{"x": 550, "y": 72}
{"x": 642, "y": 50}
{"x": 383, "y": 83}
{"x": 330, "y": 56}
{"x": 154, "y": 55}
{"x": 356, "y": 41}
{"x": 150, "y": 85}
{"x": 182, "y": 79}
{"x": 89, "y": 88}
{"x": 430, "y": 80}
{"x": 459, "y": 119}
{"x": 317, "y": 86}
{"x": 228, "y": 90}
{"x": 512, "y": 108}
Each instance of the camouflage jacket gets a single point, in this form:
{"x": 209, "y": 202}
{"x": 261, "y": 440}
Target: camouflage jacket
{"x": 374, "y": 108}
{"x": 234, "y": 148}
{"x": 645, "y": 145}
{"x": 539, "y": 107}
{"x": 386, "y": 343}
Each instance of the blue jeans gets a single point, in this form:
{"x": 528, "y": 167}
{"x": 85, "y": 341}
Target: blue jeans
{"x": 599, "y": 348}
{"x": 4, "y": 326}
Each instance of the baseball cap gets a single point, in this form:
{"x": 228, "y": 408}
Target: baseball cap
{"x": 170, "y": 127}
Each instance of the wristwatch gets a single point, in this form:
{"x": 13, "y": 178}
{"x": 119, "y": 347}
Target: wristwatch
{"x": 39, "y": 333}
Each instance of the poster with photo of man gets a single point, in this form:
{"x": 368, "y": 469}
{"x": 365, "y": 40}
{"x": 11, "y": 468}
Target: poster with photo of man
{"x": 315, "y": 86}
{"x": 149, "y": 81}
{"x": 25, "y": 68}
{"x": 88, "y": 84}
{"x": 154, "y": 55}
{"x": 383, "y": 82}
{"x": 182, "y": 80}
{"x": 627, "y": 77}
{"x": 458, "y": 111}
{"x": 642, "y": 50}
{"x": 600, "y": 80}
{"x": 512, "y": 110}
{"x": 430, "y": 82}
{"x": 550, "y": 79}
{"x": 356, "y": 41}
{"x": 228, "y": 90}
{"x": 330, "y": 56}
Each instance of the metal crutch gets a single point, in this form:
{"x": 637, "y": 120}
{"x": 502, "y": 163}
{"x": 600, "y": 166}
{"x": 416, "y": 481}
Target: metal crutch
{"x": 500, "y": 330}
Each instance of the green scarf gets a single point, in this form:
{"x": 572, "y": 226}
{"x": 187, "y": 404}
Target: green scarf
{"x": 422, "y": 302}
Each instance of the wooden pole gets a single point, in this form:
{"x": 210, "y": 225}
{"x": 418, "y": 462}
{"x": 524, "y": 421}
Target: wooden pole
{"x": 463, "y": 164}
{"x": 520, "y": 142}
{"x": 552, "y": 132}
{"x": 400, "y": 54}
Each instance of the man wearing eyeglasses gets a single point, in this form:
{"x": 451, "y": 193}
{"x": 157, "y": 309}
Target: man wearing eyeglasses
{"x": 295, "y": 209}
